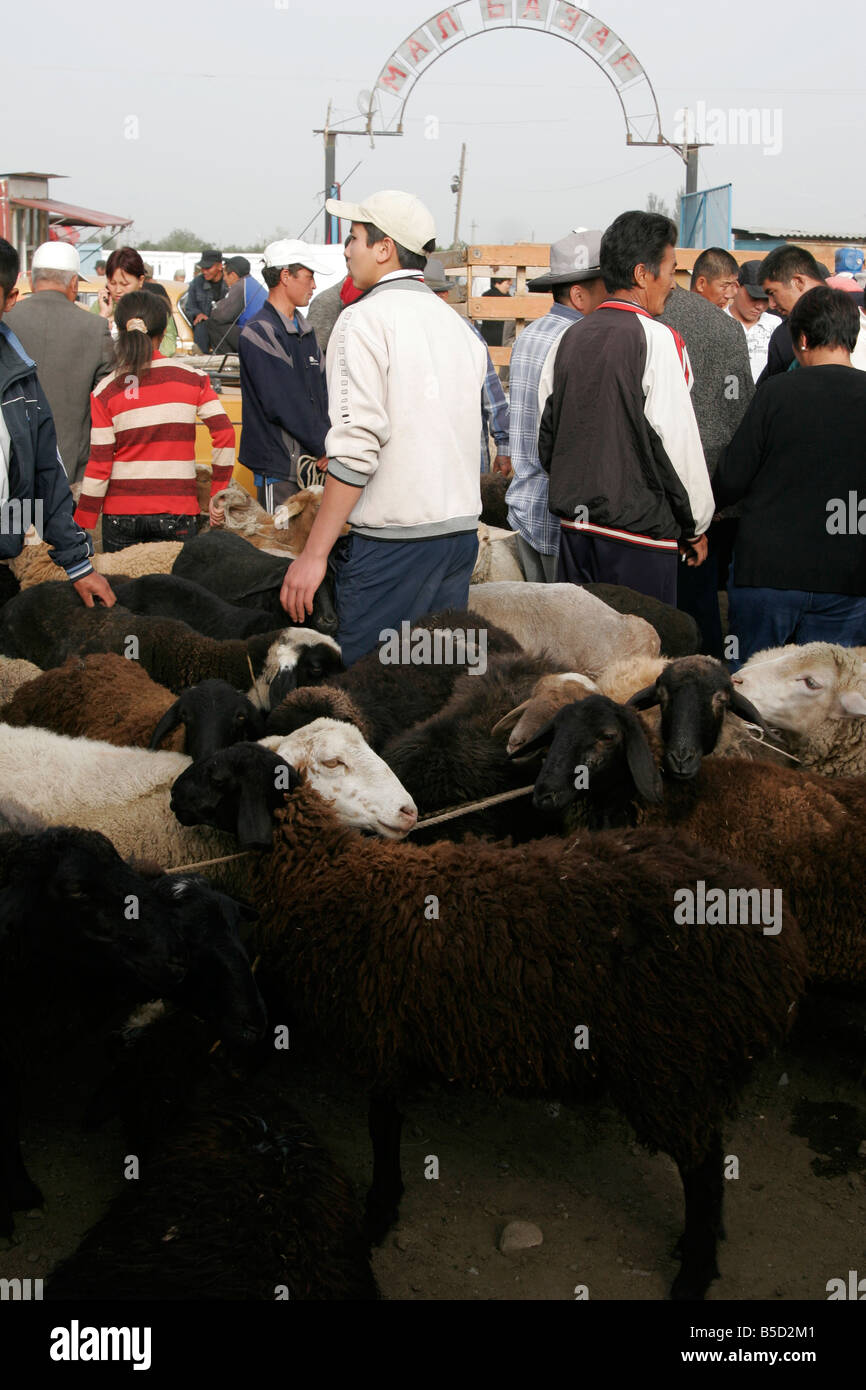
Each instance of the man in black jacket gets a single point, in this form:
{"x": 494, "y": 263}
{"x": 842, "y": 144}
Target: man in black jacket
{"x": 33, "y": 486}
{"x": 786, "y": 273}
{"x": 798, "y": 461}
{"x": 618, "y": 435}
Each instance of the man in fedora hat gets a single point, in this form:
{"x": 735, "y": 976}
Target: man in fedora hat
{"x": 404, "y": 387}
{"x": 494, "y": 406}
{"x": 575, "y": 281}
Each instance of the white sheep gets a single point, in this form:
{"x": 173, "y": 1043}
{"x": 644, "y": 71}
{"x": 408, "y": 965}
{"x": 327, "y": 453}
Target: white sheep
{"x": 498, "y": 556}
{"x": 816, "y": 694}
{"x": 15, "y": 672}
{"x": 125, "y": 793}
{"x": 564, "y": 622}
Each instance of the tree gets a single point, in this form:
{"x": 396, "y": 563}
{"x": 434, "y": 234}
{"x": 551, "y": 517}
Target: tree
{"x": 656, "y": 204}
{"x": 180, "y": 239}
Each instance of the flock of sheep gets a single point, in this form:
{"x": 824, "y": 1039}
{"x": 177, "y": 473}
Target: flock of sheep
{"x": 190, "y": 785}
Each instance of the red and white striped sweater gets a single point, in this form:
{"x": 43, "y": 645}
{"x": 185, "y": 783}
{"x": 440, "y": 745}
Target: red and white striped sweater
{"x": 142, "y": 443}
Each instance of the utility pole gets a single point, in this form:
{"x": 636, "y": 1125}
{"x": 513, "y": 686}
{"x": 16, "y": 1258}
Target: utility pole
{"x": 472, "y": 227}
{"x": 330, "y": 168}
{"x": 457, "y": 187}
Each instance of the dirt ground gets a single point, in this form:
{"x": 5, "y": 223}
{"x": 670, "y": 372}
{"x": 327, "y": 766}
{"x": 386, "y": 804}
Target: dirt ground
{"x": 609, "y": 1212}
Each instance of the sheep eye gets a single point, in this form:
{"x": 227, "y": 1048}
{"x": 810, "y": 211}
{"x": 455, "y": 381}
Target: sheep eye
{"x": 811, "y": 683}
{"x": 607, "y": 737}
{"x": 333, "y": 762}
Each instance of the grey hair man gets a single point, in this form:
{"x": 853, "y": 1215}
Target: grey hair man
{"x": 73, "y": 349}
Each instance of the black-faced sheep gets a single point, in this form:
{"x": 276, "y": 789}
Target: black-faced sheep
{"x": 82, "y": 934}
{"x": 806, "y": 834}
{"x": 237, "y": 1200}
{"x": 392, "y": 695}
{"x": 481, "y": 963}
{"x": 169, "y": 596}
{"x": 816, "y": 694}
{"x": 239, "y": 574}
{"x": 51, "y": 624}
{"x": 456, "y": 755}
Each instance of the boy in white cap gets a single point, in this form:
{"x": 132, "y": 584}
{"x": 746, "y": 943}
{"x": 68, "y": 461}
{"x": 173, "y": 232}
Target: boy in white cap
{"x": 73, "y": 351}
{"x": 404, "y": 383}
{"x": 284, "y": 398}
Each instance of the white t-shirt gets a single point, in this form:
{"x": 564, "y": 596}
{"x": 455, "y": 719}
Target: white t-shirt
{"x": 758, "y": 335}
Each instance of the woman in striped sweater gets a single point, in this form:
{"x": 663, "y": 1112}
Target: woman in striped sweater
{"x": 141, "y": 470}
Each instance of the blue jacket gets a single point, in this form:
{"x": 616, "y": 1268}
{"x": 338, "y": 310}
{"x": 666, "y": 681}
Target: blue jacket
{"x": 284, "y": 397}
{"x": 37, "y": 480}
{"x": 255, "y": 296}
{"x": 202, "y": 295}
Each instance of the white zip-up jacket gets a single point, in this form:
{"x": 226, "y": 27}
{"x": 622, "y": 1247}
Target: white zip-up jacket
{"x": 404, "y": 392}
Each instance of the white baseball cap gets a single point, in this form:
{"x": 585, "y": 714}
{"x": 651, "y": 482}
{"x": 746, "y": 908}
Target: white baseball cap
{"x": 290, "y": 252}
{"x": 56, "y": 255}
{"x": 401, "y": 216}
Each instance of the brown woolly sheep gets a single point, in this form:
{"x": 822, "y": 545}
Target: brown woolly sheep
{"x": 53, "y": 624}
{"x": 102, "y": 696}
{"x": 35, "y": 566}
{"x": 483, "y": 963}
{"x": 13, "y": 674}
{"x": 301, "y": 707}
{"x": 805, "y": 834}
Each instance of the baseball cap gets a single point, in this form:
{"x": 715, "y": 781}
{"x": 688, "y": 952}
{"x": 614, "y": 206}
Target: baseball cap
{"x": 749, "y": 277}
{"x": 293, "y": 252}
{"x": 209, "y": 258}
{"x": 56, "y": 255}
{"x": 573, "y": 258}
{"x": 401, "y": 216}
{"x": 239, "y": 264}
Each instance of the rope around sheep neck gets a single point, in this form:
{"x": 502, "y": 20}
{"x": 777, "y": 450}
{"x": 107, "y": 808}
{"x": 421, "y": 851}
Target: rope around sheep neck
{"x": 452, "y": 814}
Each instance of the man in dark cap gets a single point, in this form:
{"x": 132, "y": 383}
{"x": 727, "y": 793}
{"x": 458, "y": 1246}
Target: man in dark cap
{"x": 205, "y": 291}
{"x": 244, "y": 298}
{"x": 750, "y": 308}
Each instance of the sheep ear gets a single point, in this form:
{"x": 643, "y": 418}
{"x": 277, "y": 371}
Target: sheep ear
{"x": 646, "y": 698}
{"x": 641, "y": 762}
{"x": 167, "y": 723}
{"x": 746, "y": 710}
{"x": 255, "y": 827}
{"x": 287, "y": 510}
{"x": 853, "y": 703}
{"x": 508, "y": 721}
{"x": 539, "y": 744}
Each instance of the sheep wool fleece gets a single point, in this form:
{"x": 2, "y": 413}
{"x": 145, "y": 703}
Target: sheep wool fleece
{"x": 404, "y": 385}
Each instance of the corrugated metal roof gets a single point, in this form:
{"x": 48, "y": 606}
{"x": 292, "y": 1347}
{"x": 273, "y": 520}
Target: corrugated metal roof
{"x": 67, "y": 214}
{"x": 804, "y": 236}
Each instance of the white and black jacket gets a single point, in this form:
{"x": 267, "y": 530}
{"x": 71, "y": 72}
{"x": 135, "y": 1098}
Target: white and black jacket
{"x": 618, "y": 434}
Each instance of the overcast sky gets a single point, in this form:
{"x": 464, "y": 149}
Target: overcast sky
{"x": 226, "y": 95}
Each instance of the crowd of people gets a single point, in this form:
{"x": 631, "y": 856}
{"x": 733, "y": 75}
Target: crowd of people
{"x": 680, "y": 442}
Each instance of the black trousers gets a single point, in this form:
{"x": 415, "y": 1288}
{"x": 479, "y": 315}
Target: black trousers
{"x": 121, "y": 531}
{"x": 585, "y": 558}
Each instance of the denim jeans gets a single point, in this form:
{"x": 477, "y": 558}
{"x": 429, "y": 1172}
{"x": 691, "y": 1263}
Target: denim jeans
{"x": 762, "y": 618}
{"x": 121, "y": 531}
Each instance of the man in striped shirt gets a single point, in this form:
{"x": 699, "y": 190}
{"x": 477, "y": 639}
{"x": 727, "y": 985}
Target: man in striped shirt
{"x": 141, "y": 470}
{"x": 619, "y": 438}
{"x": 575, "y": 280}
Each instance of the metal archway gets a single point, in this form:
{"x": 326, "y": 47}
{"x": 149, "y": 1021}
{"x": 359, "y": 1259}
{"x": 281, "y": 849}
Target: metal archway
{"x": 469, "y": 18}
